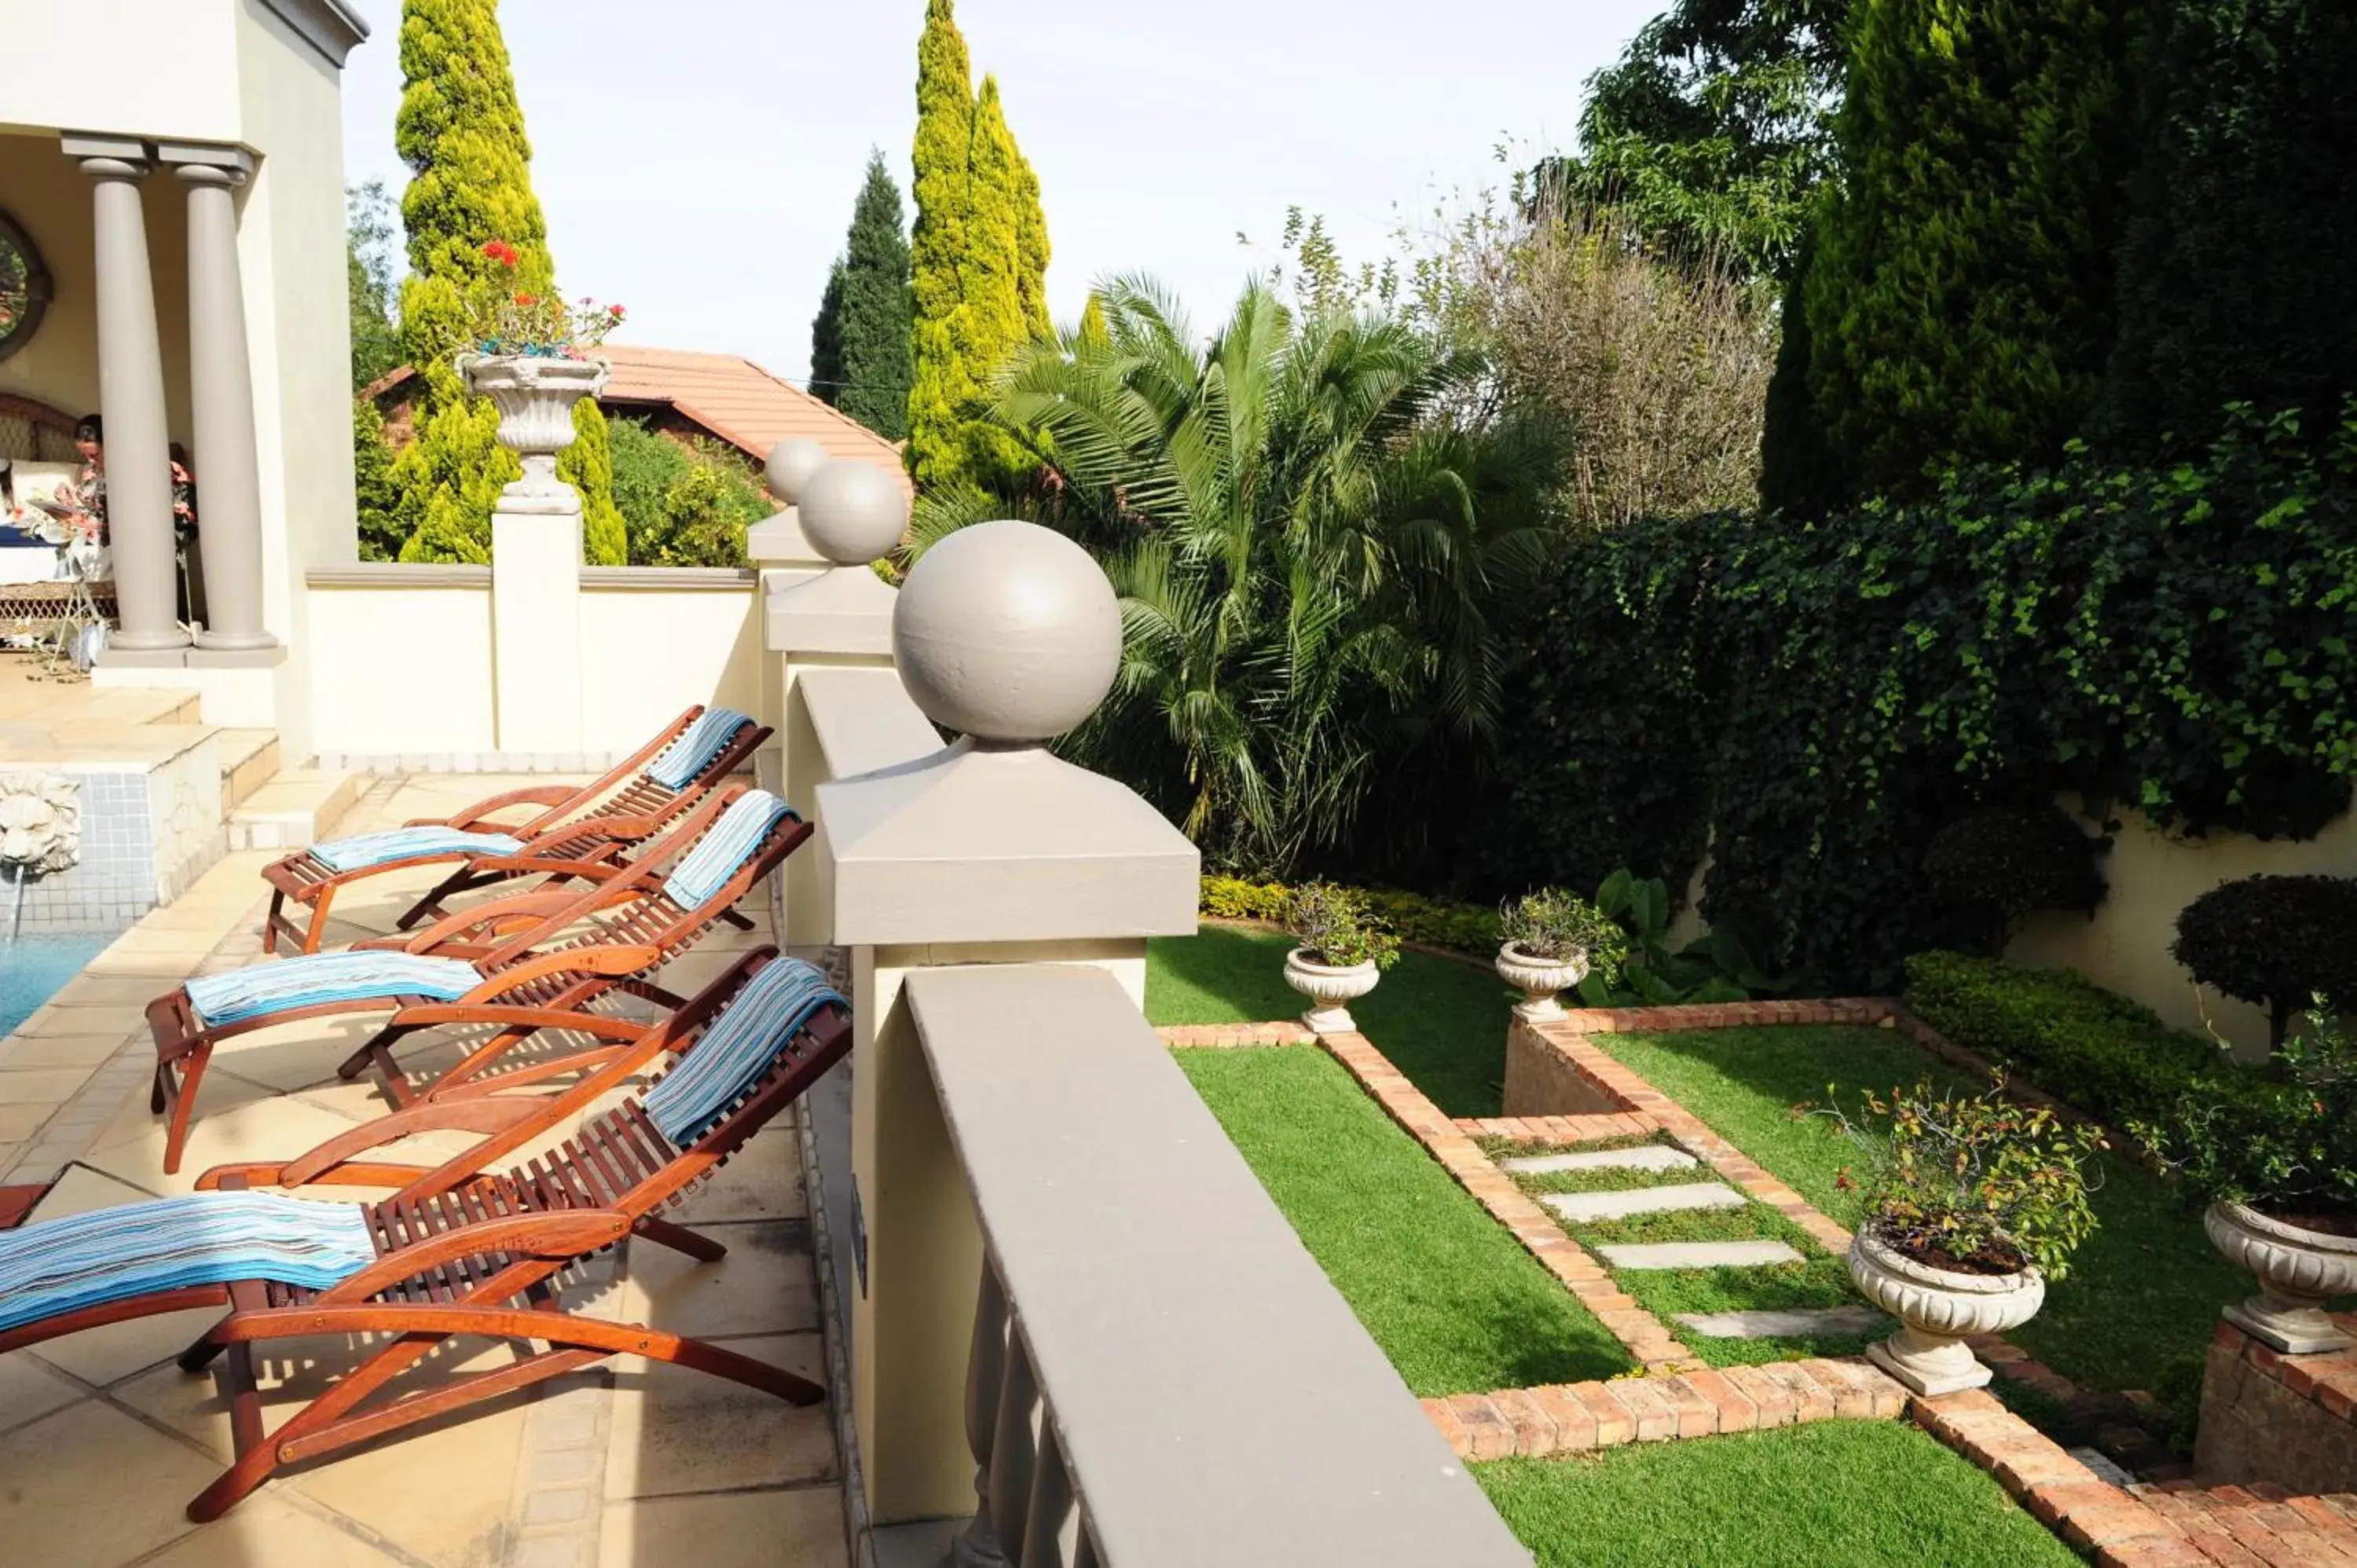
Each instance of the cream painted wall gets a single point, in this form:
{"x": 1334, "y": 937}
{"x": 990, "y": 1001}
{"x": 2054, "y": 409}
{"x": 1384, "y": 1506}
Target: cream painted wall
{"x": 49, "y": 197}
{"x": 170, "y": 67}
{"x": 2151, "y": 877}
{"x": 400, "y": 670}
{"x": 646, "y": 653}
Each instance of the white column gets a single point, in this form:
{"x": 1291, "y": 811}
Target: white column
{"x": 131, "y": 401}
{"x": 221, "y": 376}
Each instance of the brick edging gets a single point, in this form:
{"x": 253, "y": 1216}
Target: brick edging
{"x": 1232, "y": 1037}
{"x": 1646, "y": 1337}
{"x": 1572, "y": 1418}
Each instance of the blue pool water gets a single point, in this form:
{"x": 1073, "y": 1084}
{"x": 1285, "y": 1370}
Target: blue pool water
{"x": 32, "y": 968}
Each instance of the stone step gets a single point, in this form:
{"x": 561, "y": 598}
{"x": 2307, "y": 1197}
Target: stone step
{"x": 2101, "y": 1463}
{"x": 249, "y": 759}
{"x": 1695, "y": 1254}
{"x": 295, "y": 809}
{"x": 1644, "y": 1157}
{"x": 1793, "y": 1323}
{"x": 1623, "y": 1202}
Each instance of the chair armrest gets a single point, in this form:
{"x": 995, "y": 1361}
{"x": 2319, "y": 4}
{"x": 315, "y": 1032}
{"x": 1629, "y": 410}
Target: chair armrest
{"x": 235, "y": 1177}
{"x": 603, "y": 958}
{"x": 547, "y": 797}
{"x": 487, "y": 1114}
{"x": 488, "y": 918}
{"x": 563, "y": 1235}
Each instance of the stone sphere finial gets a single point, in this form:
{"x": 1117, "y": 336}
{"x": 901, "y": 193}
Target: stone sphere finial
{"x": 791, "y": 463}
{"x": 1007, "y": 632}
{"x": 853, "y": 513}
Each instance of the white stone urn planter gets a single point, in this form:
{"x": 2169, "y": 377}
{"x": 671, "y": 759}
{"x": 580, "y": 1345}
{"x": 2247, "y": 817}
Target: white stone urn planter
{"x": 2297, "y": 1269}
{"x": 1937, "y": 1310}
{"x": 1540, "y": 980}
{"x": 534, "y": 395}
{"x": 1333, "y": 987}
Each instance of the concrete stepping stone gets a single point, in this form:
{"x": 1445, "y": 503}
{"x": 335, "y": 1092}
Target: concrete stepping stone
{"x": 1794, "y": 1323}
{"x": 1644, "y": 1157}
{"x": 1622, "y": 1203}
{"x": 1697, "y": 1254}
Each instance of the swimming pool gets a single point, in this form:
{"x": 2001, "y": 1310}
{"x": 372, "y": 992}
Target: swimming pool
{"x": 33, "y": 967}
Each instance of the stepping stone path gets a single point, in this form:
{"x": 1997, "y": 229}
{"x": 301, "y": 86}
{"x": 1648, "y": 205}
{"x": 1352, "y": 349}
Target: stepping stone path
{"x": 1623, "y": 1202}
{"x": 1697, "y": 1254}
{"x": 1793, "y": 1324}
{"x": 1644, "y": 1157}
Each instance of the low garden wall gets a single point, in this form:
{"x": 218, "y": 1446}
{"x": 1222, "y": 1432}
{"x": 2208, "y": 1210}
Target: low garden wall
{"x": 2289, "y": 1420}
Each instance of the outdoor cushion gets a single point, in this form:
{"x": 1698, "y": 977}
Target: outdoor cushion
{"x": 315, "y": 978}
{"x": 401, "y": 843}
{"x": 737, "y": 1048}
{"x": 691, "y": 751}
{"x": 205, "y": 1238}
{"x": 703, "y": 871}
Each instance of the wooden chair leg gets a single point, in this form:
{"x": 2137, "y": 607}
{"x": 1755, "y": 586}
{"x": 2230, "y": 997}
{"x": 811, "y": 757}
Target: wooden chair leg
{"x": 271, "y": 922}
{"x": 318, "y": 930}
{"x": 184, "y": 1106}
{"x": 680, "y": 1238}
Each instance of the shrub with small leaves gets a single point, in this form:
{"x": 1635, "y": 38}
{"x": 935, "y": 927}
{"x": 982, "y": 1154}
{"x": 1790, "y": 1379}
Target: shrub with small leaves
{"x": 1977, "y": 1183}
{"x": 2290, "y": 1150}
{"x": 2276, "y": 942}
{"x": 2005, "y": 863}
{"x": 1556, "y": 923}
{"x": 1337, "y": 928}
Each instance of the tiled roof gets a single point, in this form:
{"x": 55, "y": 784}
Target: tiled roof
{"x": 730, "y": 395}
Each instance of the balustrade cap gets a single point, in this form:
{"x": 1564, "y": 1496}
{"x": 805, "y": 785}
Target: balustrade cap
{"x": 1007, "y": 632}
{"x": 844, "y": 609}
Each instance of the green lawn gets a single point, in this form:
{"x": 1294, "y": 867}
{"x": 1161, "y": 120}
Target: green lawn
{"x": 2140, "y": 1307}
{"x": 1837, "y": 1494}
{"x": 1445, "y": 1290}
{"x": 1441, "y": 1022}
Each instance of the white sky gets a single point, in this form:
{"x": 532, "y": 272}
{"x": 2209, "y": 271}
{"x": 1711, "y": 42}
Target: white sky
{"x": 697, "y": 158}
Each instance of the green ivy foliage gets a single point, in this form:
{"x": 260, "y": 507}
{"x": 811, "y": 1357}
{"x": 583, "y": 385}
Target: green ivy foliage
{"x": 1814, "y": 701}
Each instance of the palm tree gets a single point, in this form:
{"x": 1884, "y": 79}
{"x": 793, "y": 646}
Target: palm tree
{"x": 1308, "y": 547}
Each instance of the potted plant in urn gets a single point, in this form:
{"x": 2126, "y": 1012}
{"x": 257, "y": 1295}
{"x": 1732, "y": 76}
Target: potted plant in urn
{"x": 1552, "y": 939}
{"x": 1344, "y": 950}
{"x": 1973, "y": 1204}
{"x": 2276, "y": 1166}
{"x": 530, "y": 352}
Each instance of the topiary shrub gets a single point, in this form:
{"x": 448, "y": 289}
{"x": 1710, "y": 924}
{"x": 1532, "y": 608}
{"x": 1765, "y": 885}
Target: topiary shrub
{"x": 2005, "y": 863}
{"x": 2277, "y": 941}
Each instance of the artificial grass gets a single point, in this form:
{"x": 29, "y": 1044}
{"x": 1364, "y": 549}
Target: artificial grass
{"x": 1441, "y": 1022}
{"x": 1834, "y": 1494}
{"x": 1445, "y": 1290}
{"x": 2142, "y": 1299}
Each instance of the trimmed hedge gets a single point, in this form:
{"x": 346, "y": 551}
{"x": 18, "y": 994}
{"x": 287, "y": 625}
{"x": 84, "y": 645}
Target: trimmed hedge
{"x": 1470, "y": 929}
{"x": 2102, "y": 1053}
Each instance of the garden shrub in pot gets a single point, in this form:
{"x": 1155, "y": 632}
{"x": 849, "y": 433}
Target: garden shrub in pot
{"x": 1344, "y": 950}
{"x": 1552, "y": 940}
{"x": 2275, "y": 941}
{"x": 1974, "y": 1202}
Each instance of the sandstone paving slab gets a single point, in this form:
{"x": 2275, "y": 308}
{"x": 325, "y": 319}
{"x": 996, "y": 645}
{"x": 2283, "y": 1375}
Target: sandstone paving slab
{"x": 265, "y": 1531}
{"x": 1627, "y": 1201}
{"x": 264, "y": 1128}
{"x": 1697, "y": 1254}
{"x": 764, "y": 1181}
{"x": 29, "y": 1389}
{"x": 765, "y": 1284}
{"x": 729, "y": 1530}
{"x": 93, "y": 1487}
{"x": 441, "y": 1492}
{"x": 680, "y": 1430}
{"x": 1644, "y": 1157}
{"x": 1790, "y": 1323}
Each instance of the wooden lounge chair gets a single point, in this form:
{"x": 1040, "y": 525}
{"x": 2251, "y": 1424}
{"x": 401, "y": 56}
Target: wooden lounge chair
{"x": 575, "y": 832}
{"x": 520, "y": 964}
{"x": 456, "y": 1250}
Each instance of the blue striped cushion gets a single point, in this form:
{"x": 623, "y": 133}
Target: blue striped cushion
{"x": 313, "y": 978}
{"x": 702, "y": 871}
{"x": 691, "y": 751}
{"x": 203, "y": 1239}
{"x": 737, "y": 1048}
{"x": 401, "y": 843}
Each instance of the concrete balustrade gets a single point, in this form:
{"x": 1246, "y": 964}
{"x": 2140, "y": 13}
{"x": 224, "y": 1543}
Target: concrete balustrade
{"x": 1076, "y": 1321}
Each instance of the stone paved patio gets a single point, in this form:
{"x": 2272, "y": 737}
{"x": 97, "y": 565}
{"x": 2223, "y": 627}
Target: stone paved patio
{"x": 103, "y": 1440}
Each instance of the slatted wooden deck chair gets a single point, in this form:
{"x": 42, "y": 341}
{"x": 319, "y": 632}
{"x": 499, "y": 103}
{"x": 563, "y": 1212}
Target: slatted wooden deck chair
{"x": 459, "y": 1249}
{"x": 578, "y": 831}
{"x": 519, "y": 965}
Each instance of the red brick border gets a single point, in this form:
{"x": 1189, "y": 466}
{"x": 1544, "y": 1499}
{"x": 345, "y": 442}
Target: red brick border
{"x": 1233, "y": 1036}
{"x": 1553, "y": 1130}
{"x": 1575, "y": 1418}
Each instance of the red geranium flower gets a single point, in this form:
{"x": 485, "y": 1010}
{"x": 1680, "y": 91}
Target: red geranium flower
{"x": 527, "y": 299}
{"x": 501, "y": 251}
{"x": 616, "y": 311}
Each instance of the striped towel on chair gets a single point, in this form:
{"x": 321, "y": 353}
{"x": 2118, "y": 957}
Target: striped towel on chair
{"x": 203, "y": 1239}
{"x": 691, "y": 751}
{"x": 703, "y": 871}
{"x": 315, "y": 978}
{"x": 364, "y": 849}
{"x": 737, "y": 1048}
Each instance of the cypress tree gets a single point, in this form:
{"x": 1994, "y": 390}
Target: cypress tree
{"x": 862, "y": 332}
{"x": 1800, "y": 472}
{"x": 969, "y": 255}
{"x": 1031, "y": 245}
{"x": 461, "y": 130}
{"x": 1959, "y": 305}
{"x": 2239, "y": 267}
